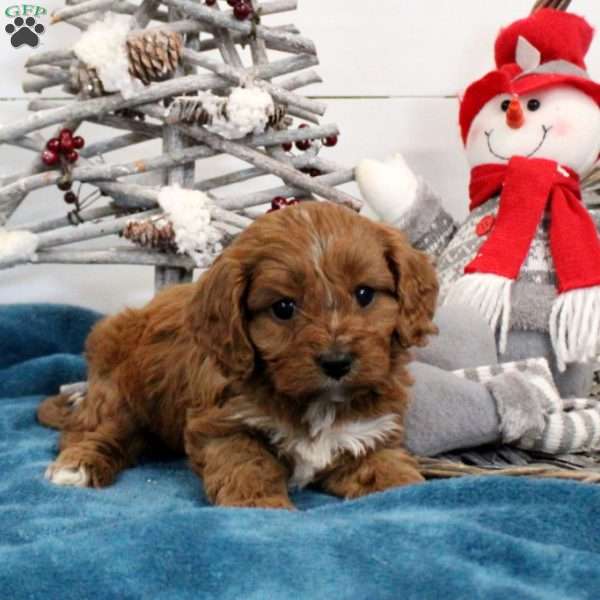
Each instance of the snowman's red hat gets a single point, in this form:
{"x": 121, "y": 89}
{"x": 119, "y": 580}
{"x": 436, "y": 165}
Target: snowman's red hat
{"x": 546, "y": 49}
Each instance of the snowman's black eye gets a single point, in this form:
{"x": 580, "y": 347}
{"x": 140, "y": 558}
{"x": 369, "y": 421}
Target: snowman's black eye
{"x": 505, "y": 104}
{"x": 533, "y": 104}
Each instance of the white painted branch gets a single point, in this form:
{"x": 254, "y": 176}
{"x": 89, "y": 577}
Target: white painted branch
{"x": 129, "y": 195}
{"x": 97, "y": 106}
{"x": 284, "y": 41}
{"x": 287, "y": 191}
{"x": 116, "y": 256}
{"x": 49, "y": 57}
{"x": 86, "y": 215}
{"x": 173, "y": 141}
{"x": 285, "y": 172}
{"x": 82, "y": 8}
{"x": 300, "y": 80}
{"x": 36, "y": 83}
{"x": 240, "y": 76}
{"x": 231, "y": 218}
{"x": 103, "y": 171}
{"x": 149, "y": 130}
{"x": 50, "y": 71}
{"x": 226, "y": 47}
{"x": 236, "y": 37}
{"x": 129, "y": 8}
{"x": 143, "y": 14}
{"x": 89, "y": 231}
{"x": 28, "y": 143}
{"x": 101, "y": 147}
{"x": 246, "y": 174}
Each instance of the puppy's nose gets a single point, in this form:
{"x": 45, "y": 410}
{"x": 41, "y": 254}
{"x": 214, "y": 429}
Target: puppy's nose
{"x": 335, "y": 364}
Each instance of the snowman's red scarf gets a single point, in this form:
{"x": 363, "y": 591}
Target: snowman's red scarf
{"x": 529, "y": 187}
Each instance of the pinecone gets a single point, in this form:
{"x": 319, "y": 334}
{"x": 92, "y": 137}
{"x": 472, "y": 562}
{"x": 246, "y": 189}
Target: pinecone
{"x": 85, "y": 81}
{"x": 279, "y": 119}
{"x": 154, "y": 55}
{"x": 190, "y": 110}
{"x": 151, "y": 234}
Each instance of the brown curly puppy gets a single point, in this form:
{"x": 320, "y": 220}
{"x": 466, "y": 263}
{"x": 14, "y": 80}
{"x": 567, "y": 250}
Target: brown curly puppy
{"x": 284, "y": 365}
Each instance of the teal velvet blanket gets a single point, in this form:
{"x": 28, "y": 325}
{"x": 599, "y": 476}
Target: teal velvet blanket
{"x": 152, "y": 535}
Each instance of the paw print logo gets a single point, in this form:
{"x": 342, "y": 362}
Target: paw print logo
{"x": 24, "y": 31}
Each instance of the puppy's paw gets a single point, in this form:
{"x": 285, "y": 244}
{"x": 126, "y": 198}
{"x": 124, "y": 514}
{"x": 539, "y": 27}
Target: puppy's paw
{"x": 374, "y": 480}
{"x": 376, "y": 472}
{"x": 277, "y": 502}
{"x": 68, "y": 476}
{"x": 75, "y": 400}
{"x": 77, "y": 469}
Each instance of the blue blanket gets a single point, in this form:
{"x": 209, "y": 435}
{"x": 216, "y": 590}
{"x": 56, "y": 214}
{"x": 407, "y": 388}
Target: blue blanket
{"x": 152, "y": 535}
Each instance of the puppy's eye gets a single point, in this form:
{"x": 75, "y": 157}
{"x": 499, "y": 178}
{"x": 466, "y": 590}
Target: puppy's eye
{"x": 533, "y": 104}
{"x": 505, "y": 104}
{"x": 364, "y": 295}
{"x": 284, "y": 309}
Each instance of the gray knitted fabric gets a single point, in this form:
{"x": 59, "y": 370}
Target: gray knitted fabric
{"x": 538, "y": 266}
{"x": 432, "y": 230}
{"x": 532, "y": 414}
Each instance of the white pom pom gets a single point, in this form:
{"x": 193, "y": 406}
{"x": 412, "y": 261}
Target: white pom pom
{"x": 247, "y": 110}
{"x": 103, "y": 47}
{"x": 17, "y": 245}
{"x": 190, "y": 212}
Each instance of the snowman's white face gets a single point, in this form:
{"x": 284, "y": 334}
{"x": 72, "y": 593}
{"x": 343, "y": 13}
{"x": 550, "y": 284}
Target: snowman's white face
{"x": 560, "y": 123}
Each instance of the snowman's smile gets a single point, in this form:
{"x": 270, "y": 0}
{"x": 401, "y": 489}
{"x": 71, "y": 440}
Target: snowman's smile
{"x": 488, "y": 135}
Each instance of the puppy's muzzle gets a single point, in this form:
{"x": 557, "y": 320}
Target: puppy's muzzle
{"x": 335, "y": 364}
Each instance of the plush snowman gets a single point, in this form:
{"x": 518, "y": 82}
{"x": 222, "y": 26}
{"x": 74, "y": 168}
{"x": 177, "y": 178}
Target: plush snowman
{"x": 527, "y": 258}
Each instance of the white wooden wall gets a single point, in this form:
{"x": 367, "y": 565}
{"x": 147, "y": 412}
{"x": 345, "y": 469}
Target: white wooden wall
{"x": 392, "y": 70}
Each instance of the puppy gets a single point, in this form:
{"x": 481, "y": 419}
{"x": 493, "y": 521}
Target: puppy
{"x": 283, "y": 366}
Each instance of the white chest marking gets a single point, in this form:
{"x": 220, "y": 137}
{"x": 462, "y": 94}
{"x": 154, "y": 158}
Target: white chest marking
{"x": 312, "y": 453}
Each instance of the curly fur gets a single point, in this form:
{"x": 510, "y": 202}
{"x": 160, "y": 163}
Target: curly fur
{"x": 207, "y": 369}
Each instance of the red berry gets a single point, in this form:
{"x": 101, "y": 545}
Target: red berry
{"x": 303, "y": 145}
{"x": 70, "y": 198}
{"x": 78, "y": 142}
{"x": 72, "y": 156}
{"x": 278, "y": 202}
{"x": 210, "y": 2}
{"x": 242, "y": 11}
{"x": 66, "y": 132}
{"x": 287, "y": 146}
{"x": 49, "y": 158}
{"x": 330, "y": 140}
{"x": 53, "y": 145}
{"x": 66, "y": 143}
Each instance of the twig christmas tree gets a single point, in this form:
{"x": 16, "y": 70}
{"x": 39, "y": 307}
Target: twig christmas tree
{"x": 146, "y": 69}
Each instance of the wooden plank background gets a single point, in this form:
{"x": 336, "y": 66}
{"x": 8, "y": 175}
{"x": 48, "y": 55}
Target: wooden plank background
{"x": 392, "y": 71}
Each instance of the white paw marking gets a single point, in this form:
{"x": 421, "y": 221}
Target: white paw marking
{"x": 67, "y": 476}
{"x": 76, "y": 399}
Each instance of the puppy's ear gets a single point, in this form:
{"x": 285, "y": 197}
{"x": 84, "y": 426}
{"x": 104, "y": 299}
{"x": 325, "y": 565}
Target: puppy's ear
{"x": 416, "y": 289}
{"x": 217, "y": 317}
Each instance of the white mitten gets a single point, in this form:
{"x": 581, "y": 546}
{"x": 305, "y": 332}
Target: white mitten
{"x": 388, "y": 188}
